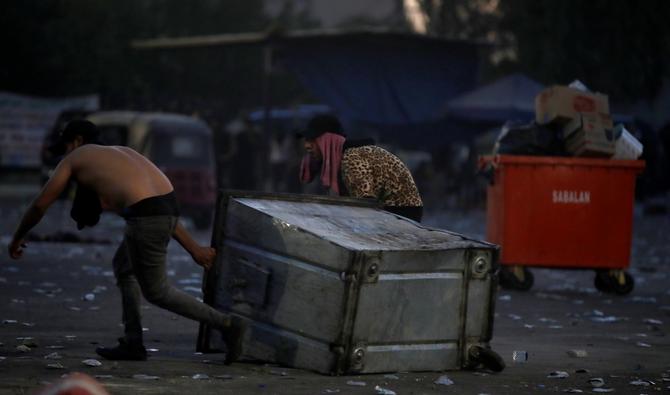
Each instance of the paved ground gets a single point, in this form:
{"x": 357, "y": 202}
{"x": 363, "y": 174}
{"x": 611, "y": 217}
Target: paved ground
{"x": 61, "y": 301}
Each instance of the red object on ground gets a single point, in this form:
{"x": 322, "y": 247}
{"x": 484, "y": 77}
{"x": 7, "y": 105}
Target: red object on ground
{"x": 561, "y": 212}
{"x": 75, "y": 384}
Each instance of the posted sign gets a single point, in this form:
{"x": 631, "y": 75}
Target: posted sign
{"x": 24, "y": 121}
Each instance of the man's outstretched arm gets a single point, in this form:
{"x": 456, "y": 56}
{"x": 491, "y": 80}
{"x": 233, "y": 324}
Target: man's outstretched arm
{"x": 203, "y": 256}
{"x": 52, "y": 189}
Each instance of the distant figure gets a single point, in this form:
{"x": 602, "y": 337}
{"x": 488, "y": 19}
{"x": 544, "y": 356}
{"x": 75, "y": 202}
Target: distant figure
{"x": 121, "y": 180}
{"x": 358, "y": 168}
{"x": 248, "y": 158}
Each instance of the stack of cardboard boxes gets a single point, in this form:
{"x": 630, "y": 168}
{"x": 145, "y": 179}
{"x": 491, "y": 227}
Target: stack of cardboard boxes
{"x": 583, "y": 116}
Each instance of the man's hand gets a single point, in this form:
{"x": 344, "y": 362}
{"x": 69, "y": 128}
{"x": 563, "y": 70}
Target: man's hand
{"x": 16, "y": 248}
{"x": 204, "y": 256}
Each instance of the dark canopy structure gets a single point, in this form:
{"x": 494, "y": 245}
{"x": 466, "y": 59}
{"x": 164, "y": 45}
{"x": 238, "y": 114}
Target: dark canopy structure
{"x": 395, "y": 83}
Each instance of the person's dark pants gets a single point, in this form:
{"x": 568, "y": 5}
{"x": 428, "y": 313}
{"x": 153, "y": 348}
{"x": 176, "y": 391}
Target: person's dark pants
{"x": 414, "y": 213}
{"x": 140, "y": 268}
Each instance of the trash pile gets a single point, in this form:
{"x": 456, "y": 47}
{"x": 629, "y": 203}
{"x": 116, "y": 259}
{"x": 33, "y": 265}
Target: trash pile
{"x": 569, "y": 121}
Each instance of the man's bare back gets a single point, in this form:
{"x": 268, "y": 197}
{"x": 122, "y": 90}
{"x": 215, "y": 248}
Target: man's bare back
{"x": 119, "y": 175}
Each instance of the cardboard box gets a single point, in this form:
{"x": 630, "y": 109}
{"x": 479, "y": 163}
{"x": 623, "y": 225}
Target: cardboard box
{"x": 587, "y": 135}
{"x": 562, "y": 104}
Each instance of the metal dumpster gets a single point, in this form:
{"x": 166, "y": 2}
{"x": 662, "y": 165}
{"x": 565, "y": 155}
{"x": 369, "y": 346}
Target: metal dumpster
{"x": 338, "y": 286}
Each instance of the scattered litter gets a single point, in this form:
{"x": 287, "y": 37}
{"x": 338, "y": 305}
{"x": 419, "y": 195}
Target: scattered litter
{"x": 555, "y": 326}
{"x": 578, "y": 353}
{"x": 278, "y": 373}
{"x": 23, "y": 348}
{"x": 383, "y": 391}
{"x": 2, "y": 358}
{"x": 145, "y": 377}
{"x": 70, "y": 337}
{"x": 28, "y": 341}
{"x": 528, "y": 326}
{"x": 53, "y": 355}
{"x": 99, "y": 288}
{"x": 335, "y": 391}
{"x": 603, "y": 390}
{"x": 152, "y": 350}
{"x": 56, "y": 365}
{"x": 391, "y": 377}
{"x": 642, "y": 299}
{"x": 608, "y": 319}
{"x": 573, "y": 391}
{"x": 598, "y": 313}
{"x": 28, "y": 324}
{"x": 89, "y": 297}
{"x": 559, "y": 374}
{"x": 192, "y": 289}
{"x": 357, "y": 383}
{"x": 91, "y": 362}
{"x": 505, "y": 298}
{"x": 643, "y": 344}
{"x": 546, "y": 320}
{"x": 596, "y": 382}
{"x": 642, "y": 383}
{"x": 520, "y": 356}
{"x": 7, "y": 322}
{"x": 74, "y": 308}
{"x": 200, "y": 376}
{"x": 443, "y": 380}
{"x": 514, "y": 316}
{"x": 652, "y": 321}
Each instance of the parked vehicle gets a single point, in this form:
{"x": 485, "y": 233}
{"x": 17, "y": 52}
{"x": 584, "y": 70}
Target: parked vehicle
{"x": 181, "y": 146}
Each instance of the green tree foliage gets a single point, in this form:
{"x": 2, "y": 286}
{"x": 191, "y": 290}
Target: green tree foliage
{"x": 618, "y": 47}
{"x": 68, "y": 47}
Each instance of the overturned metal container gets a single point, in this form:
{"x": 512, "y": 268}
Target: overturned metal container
{"x": 339, "y": 286}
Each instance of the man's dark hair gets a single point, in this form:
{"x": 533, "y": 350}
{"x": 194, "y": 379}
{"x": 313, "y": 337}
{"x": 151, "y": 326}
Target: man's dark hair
{"x": 80, "y": 127}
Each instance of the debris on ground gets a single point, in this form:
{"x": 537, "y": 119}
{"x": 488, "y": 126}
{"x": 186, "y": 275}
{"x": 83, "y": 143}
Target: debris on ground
{"x": 383, "y": 391}
{"x": 443, "y": 380}
{"x": 578, "y": 353}
{"x": 356, "y": 383}
{"x": 91, "y": 362}
{"x": 558, "y": 374}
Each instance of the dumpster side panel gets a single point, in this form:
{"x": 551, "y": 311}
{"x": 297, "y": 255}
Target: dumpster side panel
{"x": 271, "y": 288}
{"x": 563, "y": 213}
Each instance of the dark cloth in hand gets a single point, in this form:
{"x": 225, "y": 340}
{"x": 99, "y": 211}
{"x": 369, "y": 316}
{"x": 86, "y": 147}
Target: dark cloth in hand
{"x": 86, "y": 207}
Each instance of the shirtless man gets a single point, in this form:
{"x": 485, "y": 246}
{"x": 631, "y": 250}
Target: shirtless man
{"x": 129, "y": 184}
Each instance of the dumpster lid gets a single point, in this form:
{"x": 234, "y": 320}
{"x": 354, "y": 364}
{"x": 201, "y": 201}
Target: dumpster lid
{"x": 563, "y": 161}
{"x": 358, "y": 227}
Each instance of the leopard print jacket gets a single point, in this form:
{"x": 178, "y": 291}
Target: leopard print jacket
{"x": 372, "y": 172}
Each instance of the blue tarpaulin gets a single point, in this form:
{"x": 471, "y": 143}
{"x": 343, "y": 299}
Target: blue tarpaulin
{"x": 509, "y": 98}
{"x": 382, "y": 79}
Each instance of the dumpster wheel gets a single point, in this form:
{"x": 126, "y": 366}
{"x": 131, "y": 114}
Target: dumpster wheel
{"x": 516, "y": 277}
{"x": 486, "y": 357}
{"x": 614, "y": 281}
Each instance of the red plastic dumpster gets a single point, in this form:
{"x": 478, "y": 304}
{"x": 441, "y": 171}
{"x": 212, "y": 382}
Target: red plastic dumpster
{"x": 563, "y": 212}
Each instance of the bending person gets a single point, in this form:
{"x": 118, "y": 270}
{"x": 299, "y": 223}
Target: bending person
{"x": 357, "y": 168}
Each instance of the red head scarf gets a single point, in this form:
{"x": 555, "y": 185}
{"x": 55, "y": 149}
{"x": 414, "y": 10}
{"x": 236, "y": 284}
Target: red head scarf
{"x": 330, "y": 145}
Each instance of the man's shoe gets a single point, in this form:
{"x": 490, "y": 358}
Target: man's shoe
{"x": 233, "y": 337}
{"x": 123, "y": 352}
